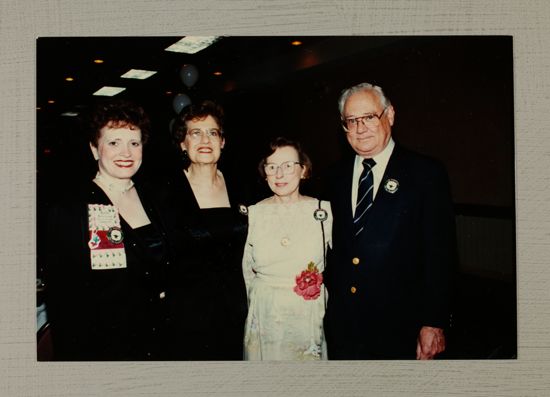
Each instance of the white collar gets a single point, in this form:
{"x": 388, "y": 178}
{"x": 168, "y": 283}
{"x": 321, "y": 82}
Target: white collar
{"x": 111, "y": 185}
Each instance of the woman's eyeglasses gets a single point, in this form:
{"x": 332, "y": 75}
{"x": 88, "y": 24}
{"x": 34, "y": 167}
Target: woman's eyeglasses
{"x": 287, "y": 168}
{"x": 196, "y": 133}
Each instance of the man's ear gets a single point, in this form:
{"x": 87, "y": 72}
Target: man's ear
{"x": 94, "y": 151}
{"x": 391, "y": 114}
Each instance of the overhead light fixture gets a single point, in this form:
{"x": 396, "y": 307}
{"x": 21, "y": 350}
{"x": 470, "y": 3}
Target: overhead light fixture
{"x": 69, "y": 114}
{"x": 69, "y": 79}
{"x": 217, "y": 73}
{"x": 296, "y": 43}
{"x": 109, "y": 91}
{"x": 98, "y": 61}
{"x": 138, "y": 74}
{"x": 192, "y": 44}
{"x": 51, "y": 101}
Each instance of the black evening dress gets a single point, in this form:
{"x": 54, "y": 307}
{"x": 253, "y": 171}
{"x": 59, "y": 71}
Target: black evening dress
{"x": 208, "y": 306}
{"x": 114, "y": 314}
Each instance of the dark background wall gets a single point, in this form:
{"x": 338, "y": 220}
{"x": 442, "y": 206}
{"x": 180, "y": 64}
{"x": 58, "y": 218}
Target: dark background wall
{"x": 453, "y": 100}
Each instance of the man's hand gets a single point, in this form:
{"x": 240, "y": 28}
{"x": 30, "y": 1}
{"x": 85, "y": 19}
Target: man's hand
{"x": 431, "y": 341}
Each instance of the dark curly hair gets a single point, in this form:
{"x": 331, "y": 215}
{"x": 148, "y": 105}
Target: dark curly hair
{"x": 193, "y": 112}
{"x": 283, "y": 142}
{"x": 118, "y": 114}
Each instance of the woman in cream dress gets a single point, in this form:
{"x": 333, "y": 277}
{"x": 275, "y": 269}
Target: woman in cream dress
{"x": 284, "y": 261}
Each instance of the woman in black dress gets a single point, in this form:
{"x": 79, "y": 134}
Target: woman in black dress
{"x": 106, "y": 253}
{"x": 208, "y": 226}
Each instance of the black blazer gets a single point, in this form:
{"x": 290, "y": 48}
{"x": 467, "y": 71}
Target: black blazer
{"x": 399, "y": 266}
{"x": 116, "y": 314}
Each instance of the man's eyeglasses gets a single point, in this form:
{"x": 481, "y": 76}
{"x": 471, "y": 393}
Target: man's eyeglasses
{"x": 196, "y": 133}
{"x": 287, "y": 168}
{"x": 351, "y": 124}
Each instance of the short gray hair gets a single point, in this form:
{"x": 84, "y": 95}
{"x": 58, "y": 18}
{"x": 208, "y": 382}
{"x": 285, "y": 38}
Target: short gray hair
{"x": 362, "y": 87}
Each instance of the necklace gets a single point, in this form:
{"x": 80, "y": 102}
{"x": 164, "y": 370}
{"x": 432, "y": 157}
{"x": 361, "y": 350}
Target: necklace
{"x": 113, "y": 186}
{"x": 284, "y": 212}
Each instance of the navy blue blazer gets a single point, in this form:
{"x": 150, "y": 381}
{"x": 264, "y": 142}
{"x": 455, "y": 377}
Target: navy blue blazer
{"x": 395, "y": 277}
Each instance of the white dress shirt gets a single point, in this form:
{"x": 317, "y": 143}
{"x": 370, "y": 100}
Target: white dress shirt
{"x": 378, "y": 170}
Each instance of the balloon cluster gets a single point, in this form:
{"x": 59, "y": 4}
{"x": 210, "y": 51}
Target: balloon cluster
{"x": 189, "y": 75}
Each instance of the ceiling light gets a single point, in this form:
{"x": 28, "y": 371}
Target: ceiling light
{"x": 296, "y": 42}
{"x": 98, "y": 60}
{"x": 217, "y": 73}
{"x": 38, "y": 108}
{"x": 138, "y": 74}
{"x": 109, "y": 91}
{"x": 69, "y": 79}
{"x": 69, "y": 114}
{"x": 51, "y": 101}
{"x": 192, "y": 44}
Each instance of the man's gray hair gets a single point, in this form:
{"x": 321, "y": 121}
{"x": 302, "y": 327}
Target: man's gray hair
{"x": 362, "y": 87}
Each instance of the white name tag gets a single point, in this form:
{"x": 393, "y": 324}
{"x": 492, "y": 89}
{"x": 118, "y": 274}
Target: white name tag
{"x": 106, "y": 238}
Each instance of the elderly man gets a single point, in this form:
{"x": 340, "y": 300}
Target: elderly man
{"x": 394, "y": 245}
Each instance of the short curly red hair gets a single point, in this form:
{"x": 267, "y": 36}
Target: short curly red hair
{"x": 118, "y": 114}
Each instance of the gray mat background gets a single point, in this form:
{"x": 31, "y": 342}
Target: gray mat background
{"x": 21, "y": 22}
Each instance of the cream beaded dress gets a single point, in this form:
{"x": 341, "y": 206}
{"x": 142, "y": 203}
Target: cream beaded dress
{"x": 283, "y": 239}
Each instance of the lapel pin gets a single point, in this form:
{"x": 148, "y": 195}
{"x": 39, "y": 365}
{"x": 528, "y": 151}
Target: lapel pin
{"x": 114, "y": 235}
{"x": 391, "y": 186}
{"x": 243, "y": 209}
{"x": 320, "y": 214}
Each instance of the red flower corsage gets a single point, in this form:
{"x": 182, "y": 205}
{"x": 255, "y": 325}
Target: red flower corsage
{"x": 308, "y": 283}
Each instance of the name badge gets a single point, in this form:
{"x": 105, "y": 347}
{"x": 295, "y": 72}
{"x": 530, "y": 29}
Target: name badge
{"x": 106, "y": 238}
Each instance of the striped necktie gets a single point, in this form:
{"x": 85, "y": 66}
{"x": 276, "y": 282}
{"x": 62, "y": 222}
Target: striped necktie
{"x": 364, "y": 195}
